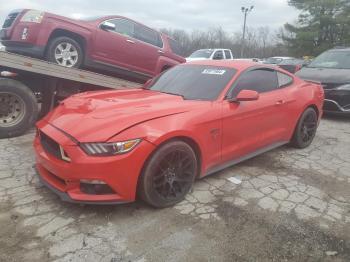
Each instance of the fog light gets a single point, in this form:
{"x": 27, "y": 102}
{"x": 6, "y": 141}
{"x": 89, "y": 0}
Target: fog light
{"x": 95, "y": 187}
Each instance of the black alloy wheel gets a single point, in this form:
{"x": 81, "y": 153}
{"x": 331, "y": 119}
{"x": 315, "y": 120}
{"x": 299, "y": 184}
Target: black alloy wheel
{"x": 174, "y": 175}
{"x": 168, "y": 175}
{"x": 306, "y": 129}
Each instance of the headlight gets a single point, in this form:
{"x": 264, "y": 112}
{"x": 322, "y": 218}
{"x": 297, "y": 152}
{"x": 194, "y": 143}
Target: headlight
{"x": 344, "y": 87}
{"x": 33, "y": 16}
{"x": 109, "y": 149}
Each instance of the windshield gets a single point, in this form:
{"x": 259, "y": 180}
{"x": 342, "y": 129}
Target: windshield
{"x": 204, "y": 53}
{"x": 332, "y": 59}
{"x": 194, "y": 82}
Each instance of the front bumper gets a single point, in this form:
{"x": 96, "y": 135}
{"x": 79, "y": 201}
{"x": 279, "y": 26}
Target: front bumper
{"x": 120, "y": 172}
{"x": 65, "y": 196}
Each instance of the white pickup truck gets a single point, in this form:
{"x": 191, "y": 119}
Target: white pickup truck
{"x": 210, "y": 54}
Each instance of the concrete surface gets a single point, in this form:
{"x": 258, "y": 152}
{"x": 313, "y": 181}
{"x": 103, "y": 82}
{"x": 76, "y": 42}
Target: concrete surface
{"x": 292, "y": 205}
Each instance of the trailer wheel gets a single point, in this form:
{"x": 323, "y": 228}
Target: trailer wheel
{"x": 65, "y": 51}
{"x": 18, "y": 108}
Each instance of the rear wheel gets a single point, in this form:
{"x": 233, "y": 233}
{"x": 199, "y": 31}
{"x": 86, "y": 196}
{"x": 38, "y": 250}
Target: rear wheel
{"x": 18, "y": 108}
{"x": 168, "y": 175}
{"x": 65, "y": 51}
{"x": 306, "y": 129}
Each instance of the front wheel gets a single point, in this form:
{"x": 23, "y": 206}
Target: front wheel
{"x": 305, "y": 130}
{"x": 168, "y": 175}
{"x": 65, "y": 51}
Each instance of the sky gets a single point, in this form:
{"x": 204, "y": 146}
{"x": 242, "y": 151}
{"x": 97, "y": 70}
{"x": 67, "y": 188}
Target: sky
{"x": 188, "y": 15}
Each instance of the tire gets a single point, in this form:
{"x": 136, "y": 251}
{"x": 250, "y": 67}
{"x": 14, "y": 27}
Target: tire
{"x": 168, "y": 175}
{"x": 69, "y": 49}
{"x": 305, "y": 130}
{"x": 18, "y": 108}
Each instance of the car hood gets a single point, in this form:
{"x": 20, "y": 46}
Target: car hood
{"x": 325, "y": 75}
{"x": 98, "y": 116}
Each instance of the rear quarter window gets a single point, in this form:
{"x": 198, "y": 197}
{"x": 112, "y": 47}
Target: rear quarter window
{"x": 284, "y": 80}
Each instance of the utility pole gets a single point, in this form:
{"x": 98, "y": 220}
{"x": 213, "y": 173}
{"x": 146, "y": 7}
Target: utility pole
{"x": 245, "y": 11}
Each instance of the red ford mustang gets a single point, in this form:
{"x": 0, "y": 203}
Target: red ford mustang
{"x": 193, "y": 120}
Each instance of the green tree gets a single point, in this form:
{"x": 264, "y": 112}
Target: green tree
{"x": 322, "y": 24}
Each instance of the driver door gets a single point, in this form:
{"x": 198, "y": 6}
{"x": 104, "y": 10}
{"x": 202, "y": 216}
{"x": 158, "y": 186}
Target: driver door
{"x": 253, "y": 125}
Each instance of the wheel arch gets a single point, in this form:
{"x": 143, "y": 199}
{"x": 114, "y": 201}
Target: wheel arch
{"x": 188, "y": 140}
{"x": 313, "y": 106}
{"x": 63, "y": 32}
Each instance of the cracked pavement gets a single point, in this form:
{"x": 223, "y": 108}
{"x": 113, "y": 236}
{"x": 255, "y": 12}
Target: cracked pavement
{"x": 291, "y": 205}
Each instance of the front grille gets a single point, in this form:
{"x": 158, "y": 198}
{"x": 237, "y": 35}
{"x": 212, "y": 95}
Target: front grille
{"x": 50, "y": 145}
{"x": 10, "y": 19}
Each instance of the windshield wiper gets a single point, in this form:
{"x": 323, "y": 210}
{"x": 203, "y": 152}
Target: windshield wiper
{"x": 173, "y": 94}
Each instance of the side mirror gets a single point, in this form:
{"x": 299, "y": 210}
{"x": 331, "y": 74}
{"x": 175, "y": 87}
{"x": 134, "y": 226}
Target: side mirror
{"x": 107, "y": 26}
{"x": 247, "y": 95}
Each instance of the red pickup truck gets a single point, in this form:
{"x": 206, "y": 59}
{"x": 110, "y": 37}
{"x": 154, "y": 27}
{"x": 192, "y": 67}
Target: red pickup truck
{"x": 111, "y": 43}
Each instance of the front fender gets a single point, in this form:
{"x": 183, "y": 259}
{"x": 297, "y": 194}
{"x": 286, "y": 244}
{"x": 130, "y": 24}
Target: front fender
{"x": 185, "y": 126}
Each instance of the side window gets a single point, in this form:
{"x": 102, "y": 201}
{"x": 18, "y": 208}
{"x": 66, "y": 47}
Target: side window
{"x": 260, "y": 80}
{"x": 284, "y": 80}
{"x": 228, "y": 54}
{"x": 124, "y": 27}
{"x": 148, "y": 36}
{"x": 218, "y": 55}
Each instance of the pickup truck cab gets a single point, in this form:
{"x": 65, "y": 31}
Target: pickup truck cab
{"x": 210, "y": 54}
{"x": 111, "y": 43}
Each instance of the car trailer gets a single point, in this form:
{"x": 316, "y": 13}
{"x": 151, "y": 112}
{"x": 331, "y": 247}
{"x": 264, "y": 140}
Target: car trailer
{"x": 30, "y": 88}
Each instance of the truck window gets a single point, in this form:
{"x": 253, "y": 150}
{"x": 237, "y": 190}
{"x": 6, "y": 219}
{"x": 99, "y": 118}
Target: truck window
{"x": 218, "y": 55}
{"x": 228, "y": 54}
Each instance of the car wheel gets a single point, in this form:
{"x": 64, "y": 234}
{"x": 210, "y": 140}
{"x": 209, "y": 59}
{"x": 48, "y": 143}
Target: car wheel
{"x": 18, "y": 108}
{"x": 65, "y": 51}
{"x": 305, "y": 130}
{"x": 168, "y": 175}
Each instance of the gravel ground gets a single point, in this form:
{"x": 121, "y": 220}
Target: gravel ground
{"x": 292, "y": 205}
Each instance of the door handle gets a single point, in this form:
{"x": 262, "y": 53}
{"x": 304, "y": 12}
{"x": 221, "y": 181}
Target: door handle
{"x": 130, "y": 41}
{"x": 280, "y": 102}
{"x": 160, "y": 52}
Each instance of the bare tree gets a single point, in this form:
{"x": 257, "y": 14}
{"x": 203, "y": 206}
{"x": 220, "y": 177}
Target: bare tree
{"x": 260, "y": 42}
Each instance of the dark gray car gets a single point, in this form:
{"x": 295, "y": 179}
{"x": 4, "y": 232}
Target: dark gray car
{"x": 332, "y": 69}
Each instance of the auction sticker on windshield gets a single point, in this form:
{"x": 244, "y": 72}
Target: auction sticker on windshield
{"x": 213, "y": 72}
